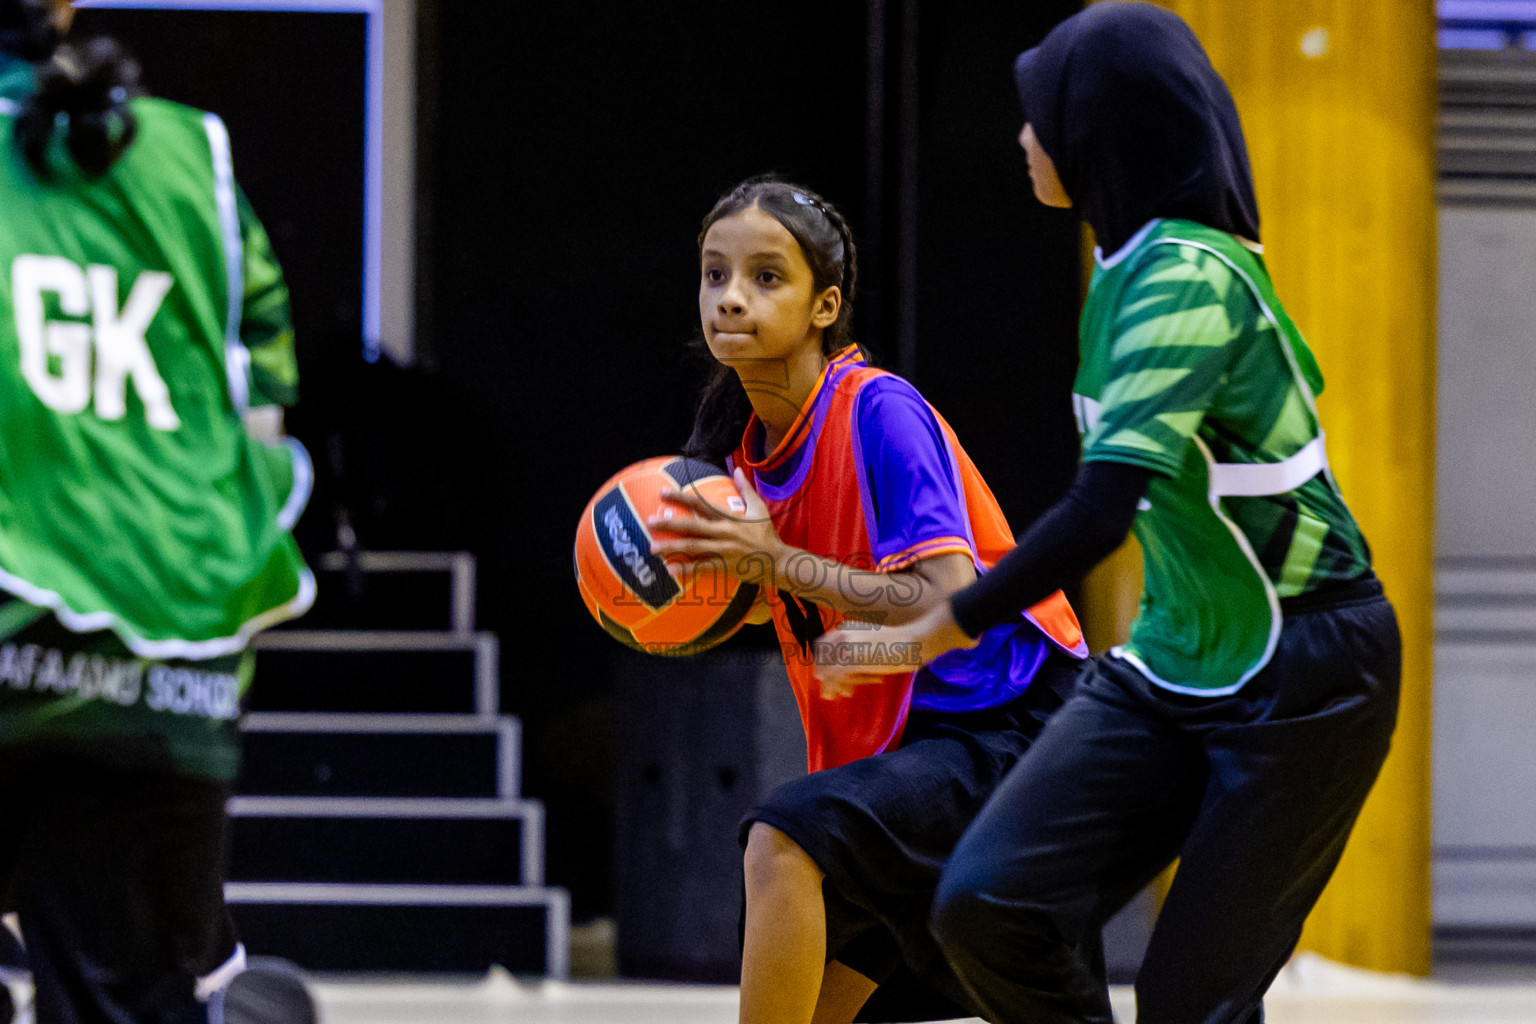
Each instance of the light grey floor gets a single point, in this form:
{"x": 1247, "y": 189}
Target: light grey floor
{"x": 1310, "y": 991}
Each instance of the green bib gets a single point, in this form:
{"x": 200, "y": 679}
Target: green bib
{"x": 1190, "y": 367}
{"x": 131, "y": 496}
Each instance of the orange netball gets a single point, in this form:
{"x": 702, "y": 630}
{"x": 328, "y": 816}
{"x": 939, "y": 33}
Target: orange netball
{"x": 628, "y": 589}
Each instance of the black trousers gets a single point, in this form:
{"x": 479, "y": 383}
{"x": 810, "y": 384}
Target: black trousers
{"x": 116, "y": 876}
{"x": 1255, "y": 792}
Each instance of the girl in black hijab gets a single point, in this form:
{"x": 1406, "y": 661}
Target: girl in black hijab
{"x": 1138, "y": 123}
{"x": 1243, "y": 723}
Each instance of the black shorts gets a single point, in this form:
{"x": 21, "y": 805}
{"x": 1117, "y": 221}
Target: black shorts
{"x": 881, "y": 828}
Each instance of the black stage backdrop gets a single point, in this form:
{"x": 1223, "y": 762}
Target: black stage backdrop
{"x": 290, "y": 87}
{"x": 568, "y": 155}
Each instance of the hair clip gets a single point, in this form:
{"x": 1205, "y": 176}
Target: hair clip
{"x": 805, "y": 200}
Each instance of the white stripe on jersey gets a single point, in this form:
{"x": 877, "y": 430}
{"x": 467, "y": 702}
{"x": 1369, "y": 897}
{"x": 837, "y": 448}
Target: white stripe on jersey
{"x": 237, "y": 359}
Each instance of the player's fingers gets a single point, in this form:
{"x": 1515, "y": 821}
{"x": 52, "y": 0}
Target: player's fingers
{"x": 756, "y": 508}
{"x": 833, "y": 677}
{"x": 684, "y": 546}
{"x": 834, "y": 689}
{"x": 846, "y": 681}
{"x": 685, "y": 526}
{"x": 692, "y": 500}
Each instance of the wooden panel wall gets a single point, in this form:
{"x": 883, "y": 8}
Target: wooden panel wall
{"x": 1337, "y": 99}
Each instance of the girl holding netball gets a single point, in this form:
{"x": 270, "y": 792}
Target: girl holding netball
{"x": 860, "y": 505}
{"x": 1244, "y": 722}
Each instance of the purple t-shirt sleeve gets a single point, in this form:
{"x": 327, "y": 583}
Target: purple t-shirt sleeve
{"x": 911, "y": 485}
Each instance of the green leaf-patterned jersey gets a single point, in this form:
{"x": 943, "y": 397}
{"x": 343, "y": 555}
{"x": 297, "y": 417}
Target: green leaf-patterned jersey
{"x": 1191, "y": 368}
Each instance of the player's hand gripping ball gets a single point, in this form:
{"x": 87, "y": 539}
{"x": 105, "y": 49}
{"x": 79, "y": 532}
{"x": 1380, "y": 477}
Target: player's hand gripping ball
{"x": 628, "y": 589}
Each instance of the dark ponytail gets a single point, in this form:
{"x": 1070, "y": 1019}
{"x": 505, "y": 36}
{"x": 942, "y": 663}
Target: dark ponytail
{"x": 82, "y": 90}
{"x": 827, "y": 243}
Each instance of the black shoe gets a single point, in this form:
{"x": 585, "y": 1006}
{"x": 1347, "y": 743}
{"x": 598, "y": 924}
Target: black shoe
{"x": 269, "y": 991}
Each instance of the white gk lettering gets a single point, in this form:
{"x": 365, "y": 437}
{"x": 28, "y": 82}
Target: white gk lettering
{"x": 56, "y": 354}
{"x": 625, "y": 548}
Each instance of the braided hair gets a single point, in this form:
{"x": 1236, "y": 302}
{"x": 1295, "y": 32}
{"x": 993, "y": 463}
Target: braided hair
{"x": 82, "y": 90}
{"x": 827, "y": 244}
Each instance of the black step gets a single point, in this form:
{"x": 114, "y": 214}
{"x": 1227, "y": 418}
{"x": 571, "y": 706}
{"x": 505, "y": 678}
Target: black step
{"x": 298, "y": 754}
{"x": 413, "y": 929}
{"x": 386, "y": 841}
{"x": 376, "y": 673}
{"x": 393, "y": 590}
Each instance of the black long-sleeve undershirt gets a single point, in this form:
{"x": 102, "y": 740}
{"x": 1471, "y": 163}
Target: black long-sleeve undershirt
{"x": 1071, "y": 537}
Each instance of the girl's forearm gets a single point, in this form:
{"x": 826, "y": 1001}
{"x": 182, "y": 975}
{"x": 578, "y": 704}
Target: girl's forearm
{"x": 1071, "y": 537}
{"x": 889, "y": 598}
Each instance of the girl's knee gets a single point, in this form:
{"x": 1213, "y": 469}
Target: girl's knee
{"x": 962, "y": 911}
{"x": 773, "y": 858}
{"x": 976, "y": 905}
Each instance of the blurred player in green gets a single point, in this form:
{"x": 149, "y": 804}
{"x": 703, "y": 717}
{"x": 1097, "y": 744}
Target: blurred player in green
{"x": 146, "y": 499}
{"x": 1241, "y": 726}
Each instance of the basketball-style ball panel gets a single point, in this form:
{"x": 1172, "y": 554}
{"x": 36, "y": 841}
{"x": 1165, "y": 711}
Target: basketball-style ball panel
{"x": 618, "y": 632}
{"x": 610, "y": 627}
{"x": 593, "y": 609}
{"x": 599, "y": 583}
{"x": 626, "y": 547}
{"x": 733, "y": 618}
{"x": 700, "y": 479}
{"x": 694, "y": 475}
{"x": 628, "y": 589}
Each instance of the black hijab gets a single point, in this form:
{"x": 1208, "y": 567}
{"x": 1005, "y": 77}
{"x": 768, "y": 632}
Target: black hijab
{"x": 1125, "y": 102}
